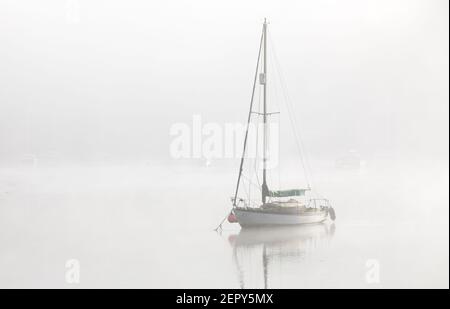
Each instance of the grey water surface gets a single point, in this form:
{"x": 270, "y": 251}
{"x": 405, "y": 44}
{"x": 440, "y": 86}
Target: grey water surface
{"x": 127, "y": 230}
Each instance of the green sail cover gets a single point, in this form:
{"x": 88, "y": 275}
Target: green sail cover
{"x": 286, "y": 193}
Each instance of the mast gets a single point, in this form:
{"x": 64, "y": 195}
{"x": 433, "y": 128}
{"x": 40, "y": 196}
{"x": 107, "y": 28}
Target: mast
{"x": 248, "y": 119}
{"x": 263, "y": 80}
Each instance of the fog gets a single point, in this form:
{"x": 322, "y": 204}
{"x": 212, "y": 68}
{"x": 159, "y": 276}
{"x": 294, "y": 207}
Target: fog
{"x": 374, "y": 73}
{"x": 91, "y": 89}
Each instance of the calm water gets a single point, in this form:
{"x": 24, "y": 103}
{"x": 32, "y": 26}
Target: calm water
{"x": 151, "y": 226}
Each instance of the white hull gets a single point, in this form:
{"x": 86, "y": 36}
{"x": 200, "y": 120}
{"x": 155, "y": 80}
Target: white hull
{"x": 249, "y": 218}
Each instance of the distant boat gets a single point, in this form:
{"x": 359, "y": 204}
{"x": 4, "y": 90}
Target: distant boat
{"x": 279, "y": 207}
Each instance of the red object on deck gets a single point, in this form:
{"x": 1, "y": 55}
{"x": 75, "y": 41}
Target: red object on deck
{"x": 232, "y": 218}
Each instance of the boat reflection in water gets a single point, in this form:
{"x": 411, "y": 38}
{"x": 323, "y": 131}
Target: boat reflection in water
{"x": 263, "y": 253}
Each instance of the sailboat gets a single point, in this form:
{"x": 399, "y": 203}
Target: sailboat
{"x": 279, "y": 207}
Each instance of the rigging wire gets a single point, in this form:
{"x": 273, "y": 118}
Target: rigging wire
{"x": 257, "y": 138}
{"x": 297, "y": 136}
{"x": 251, "y": 184}
{"x": 278, "y": 108}
{"x": 253, "y": 162}
{"x": 249, "y": 116}
{"x": 256, "y": 150}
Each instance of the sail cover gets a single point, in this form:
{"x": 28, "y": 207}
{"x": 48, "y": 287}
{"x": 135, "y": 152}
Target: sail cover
{"x": 286, "y": 193}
